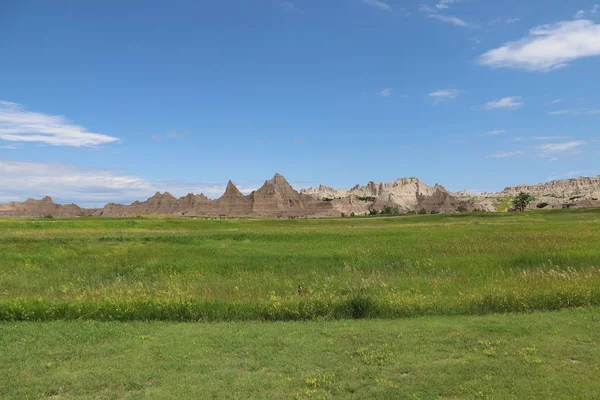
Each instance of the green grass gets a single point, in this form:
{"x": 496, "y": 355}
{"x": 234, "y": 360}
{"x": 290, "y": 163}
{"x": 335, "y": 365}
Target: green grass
{"x": 503, "y": 204}
{"x": 553, "y": 355}
{"x": 191, "y": 270}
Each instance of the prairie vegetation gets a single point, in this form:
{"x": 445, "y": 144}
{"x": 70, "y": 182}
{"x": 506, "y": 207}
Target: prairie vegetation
{"x": 522, "y": 356}
{"x": 194, "y": 270}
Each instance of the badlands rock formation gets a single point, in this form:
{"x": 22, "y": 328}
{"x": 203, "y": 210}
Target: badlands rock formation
{"x": 404, "y": 194}
{"x": 569, "y": 193}
{"x": 410, "y": 194}
{"x": 277, "y": 198}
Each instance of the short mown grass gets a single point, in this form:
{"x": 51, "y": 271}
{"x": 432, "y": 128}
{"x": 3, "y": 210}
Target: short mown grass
{"x": 542, "y": 355}
{"x": 196, "y": 270}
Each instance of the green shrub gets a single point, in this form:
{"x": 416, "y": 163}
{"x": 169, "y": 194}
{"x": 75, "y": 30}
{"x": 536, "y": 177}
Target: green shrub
{"x": 422, "y": 211}
{"x": 366, "y": 198}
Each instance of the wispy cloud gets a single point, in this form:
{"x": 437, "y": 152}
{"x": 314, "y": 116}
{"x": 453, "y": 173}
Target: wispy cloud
{"x": 580, "y": 111}
{"x": 547, "y": 47}
{"x": 556, "y": 101}
{"x": 494, "y": 133}
{"x": 444, "y": 95}
{"x": 507, "y": 103}
{"x": 387, "y": 92}
{"x": 506, "y": 154}
{"x": 582, "y": 13}
{"x": 449, "y": 19}
{"x": 90, "y": 187}
{"x": 559, "y": 148}
{"x": 512, "y": 20}
{"x": 434, "y": 12}
{"x": 19, "y": 125}
{"x": 444, "y": 4}
{"x": 378, "y": 4}
{"x": 542, "y": 138}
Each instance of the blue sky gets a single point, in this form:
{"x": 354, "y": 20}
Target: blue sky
{"x": 112, "y": 100}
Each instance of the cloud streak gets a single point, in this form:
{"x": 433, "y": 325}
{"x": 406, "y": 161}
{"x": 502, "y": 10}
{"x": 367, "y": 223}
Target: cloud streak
{"x": 377, "y": 4}
{"x": 19, "y": 125}
{"x": 580, "y": 111}
{"x": 440, "y": 96}
{"x": 506, "y": 154}
{"x": 547, "y": 47}
{"x": 387, "y": 92}
{"x": 449, "y": 19}
{"x": 507, "y": 103}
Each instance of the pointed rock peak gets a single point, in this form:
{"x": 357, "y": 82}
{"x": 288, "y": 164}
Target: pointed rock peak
{"x": 277, "y": 182}
{"x": 47, "y": 199}
{"x": 232, "y": 190}
{"x": 278, "y": 179}
{"x": 168, "y": 195}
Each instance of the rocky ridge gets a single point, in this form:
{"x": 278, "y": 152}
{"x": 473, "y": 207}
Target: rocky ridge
{"x": 277, "y": 198}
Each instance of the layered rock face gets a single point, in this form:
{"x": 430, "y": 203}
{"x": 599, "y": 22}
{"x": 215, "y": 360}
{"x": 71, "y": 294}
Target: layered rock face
{"x": 569, "y": 193}
{"x": 405, "y": 194}
{"x": 275, "y": 198}
{"x": 278, "y": 194}
{"x": 559, "y": 188}
{"x": 40, "y": 208}
{"x": 410, "y": 194}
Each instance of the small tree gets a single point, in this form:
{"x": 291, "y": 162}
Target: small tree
{"x": 521, "y": 202}
{"x": 462, "y": 209}
{"x": 422, "y": 211}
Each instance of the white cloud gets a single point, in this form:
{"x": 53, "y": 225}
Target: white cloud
{"x": 449, "y": 19}
{"x": 387, "y": 92}
{"x": 512, "y": 20}
{"x": 595, "y": 9}
{"x": 506, "y": 154}
{"x": 579, "y": 14}
{"x": 580, "y": 111}
{"x": 89, "y": 187}
{"x": 8, "y": 147}
{"x": 444, "y": 4}
{"x": 444, "y": 95}
{"x": 434, "y": 12}
{"x": 496, "y": 132}
{"x": 557, "y": 148}
{"x": 542, "y": 138}
{"x": 20, "y": 125}
{"x": 556, "y": 101}
{"x": 378, "y": 4}
{"x": 547, "y": 47}
{"x": 509, "y": 103}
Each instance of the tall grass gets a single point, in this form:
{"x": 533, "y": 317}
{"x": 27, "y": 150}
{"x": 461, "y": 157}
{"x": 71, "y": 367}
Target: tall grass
{"x": 192, "y": 270}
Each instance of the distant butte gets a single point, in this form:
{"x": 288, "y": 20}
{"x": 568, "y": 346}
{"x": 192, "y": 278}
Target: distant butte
{"x": 277, "y": 198}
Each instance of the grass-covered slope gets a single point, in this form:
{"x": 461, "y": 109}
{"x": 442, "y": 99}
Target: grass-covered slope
{"x": 167, "y": 269}
{"x": 529, "y": 356}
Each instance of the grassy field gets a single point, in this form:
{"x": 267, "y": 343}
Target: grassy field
{"x": 193, "y": 270}
{"x": 552, "y": 355}
{"x": 105, "y": 308}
